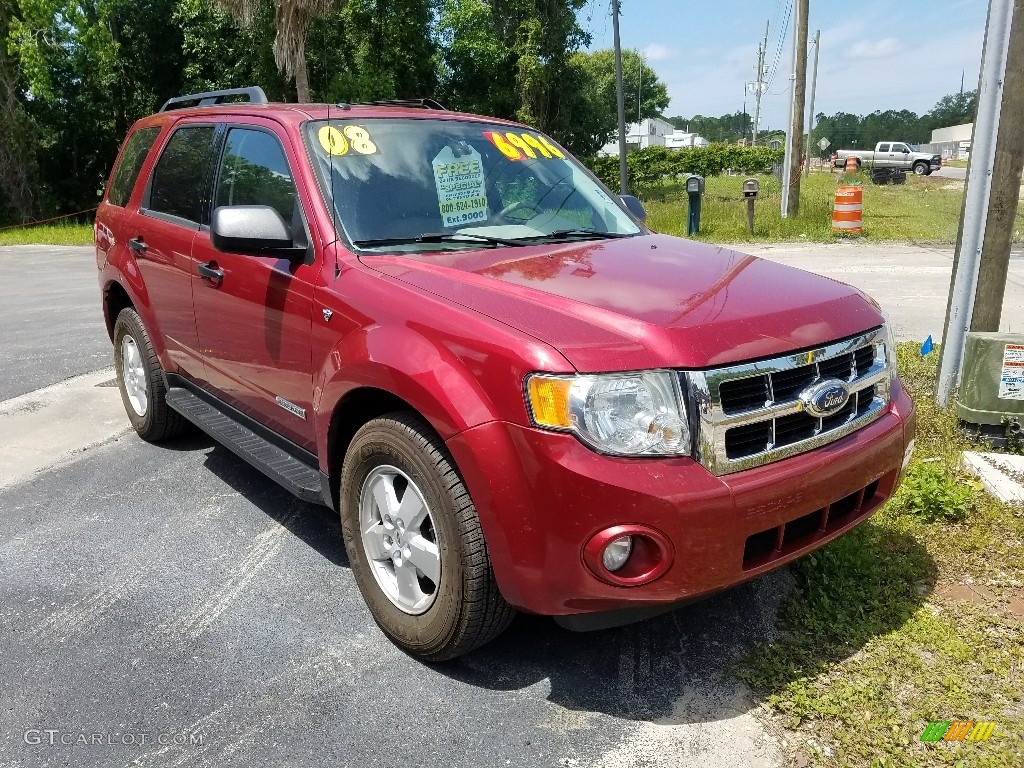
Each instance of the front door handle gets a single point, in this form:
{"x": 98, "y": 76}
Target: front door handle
{"x": 138, "y": 245}
{"x": 209, "y": 272}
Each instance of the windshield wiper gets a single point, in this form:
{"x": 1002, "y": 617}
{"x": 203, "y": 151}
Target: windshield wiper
{"x": 583, "y": 234}
{"x": 439, "y": 237}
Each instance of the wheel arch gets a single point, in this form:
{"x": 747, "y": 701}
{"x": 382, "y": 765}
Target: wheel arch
{"x": 115, "y": 299}
{"x": 356, "y": 408}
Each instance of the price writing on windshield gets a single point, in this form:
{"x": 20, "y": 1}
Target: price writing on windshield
{"x": 353, "y": 138}
{"x": 519, "y": 146}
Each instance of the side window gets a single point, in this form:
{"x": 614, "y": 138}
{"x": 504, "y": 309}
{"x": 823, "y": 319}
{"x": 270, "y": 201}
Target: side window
{"x": 181, "y": 178}
{"x": 883, "y": 147}
{"x": 254, "y": 171}
{"x": 898, "y": 148}
{"x": 122, "y": 182}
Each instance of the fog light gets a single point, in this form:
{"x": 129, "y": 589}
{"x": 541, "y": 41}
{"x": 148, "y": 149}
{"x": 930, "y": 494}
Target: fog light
{"x": 617, "y": 553}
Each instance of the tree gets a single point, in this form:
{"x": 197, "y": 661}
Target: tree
{"x": 590, "y": 93}
{"x": 510, "y": 58}
{"x": 727, "y": 128}
{"x": 17, "y": 131}
{"x": 291, "y": 22}
{"x": 954, "y": 109}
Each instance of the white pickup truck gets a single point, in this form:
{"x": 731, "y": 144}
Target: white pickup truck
{"x": 891, "y": 154}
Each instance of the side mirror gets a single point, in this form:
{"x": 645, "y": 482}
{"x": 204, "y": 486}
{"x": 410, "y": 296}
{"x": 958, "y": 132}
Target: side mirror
{"x": 906, "y": 151}
{"x": 252, "y": 229}
{"x": 635, "y": 207}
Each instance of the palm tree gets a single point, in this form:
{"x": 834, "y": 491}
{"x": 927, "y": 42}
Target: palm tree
{"x": 291, "y": 19}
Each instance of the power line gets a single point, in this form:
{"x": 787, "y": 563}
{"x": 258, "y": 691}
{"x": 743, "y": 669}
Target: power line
{"x": 781, "y": 45}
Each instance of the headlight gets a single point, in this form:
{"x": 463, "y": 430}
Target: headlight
{"x": 890, "y": 346}
{"x": 625, "y": 414}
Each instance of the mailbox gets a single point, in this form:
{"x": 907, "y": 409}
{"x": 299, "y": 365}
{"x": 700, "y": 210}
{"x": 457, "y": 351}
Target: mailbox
{"x": 751, "y": 187}
{"x": 694, "y": 190}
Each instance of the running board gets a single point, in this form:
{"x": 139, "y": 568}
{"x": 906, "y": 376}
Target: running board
{"x": 275, "y": 462}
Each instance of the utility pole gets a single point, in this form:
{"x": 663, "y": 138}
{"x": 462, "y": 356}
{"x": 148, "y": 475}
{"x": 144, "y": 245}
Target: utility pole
{"x": 759, "y": 83}
{"x": 796, "y": 130}
{"x": 621, "y": 97}
{"x": 814, "y": 87}
{"x": 982, "y": 255}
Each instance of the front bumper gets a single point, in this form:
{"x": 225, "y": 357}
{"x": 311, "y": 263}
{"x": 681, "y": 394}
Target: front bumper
{"x": 541, "y": 496}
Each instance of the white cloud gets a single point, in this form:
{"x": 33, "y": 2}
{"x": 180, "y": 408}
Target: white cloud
{"x": 874, "y": 49}
{"x": 658, "y": 52}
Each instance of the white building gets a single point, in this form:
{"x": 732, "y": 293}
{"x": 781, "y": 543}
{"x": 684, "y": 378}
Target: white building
{"x": 952, "y": 142}
{"x": 655, "y": 132}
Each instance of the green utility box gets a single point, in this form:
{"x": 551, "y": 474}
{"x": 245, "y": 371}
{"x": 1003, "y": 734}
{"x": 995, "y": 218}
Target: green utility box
{"x": 991, "y": 399}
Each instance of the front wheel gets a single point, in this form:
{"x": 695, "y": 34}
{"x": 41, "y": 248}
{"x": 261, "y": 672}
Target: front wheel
{"x": 921, "y": 169}
{"x": 414, "y": 541}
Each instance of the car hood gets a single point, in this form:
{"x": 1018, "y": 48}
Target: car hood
{"x": 643, "y": 302}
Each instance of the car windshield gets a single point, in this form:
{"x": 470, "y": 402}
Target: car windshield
{"x": 913, "y": 148}
{"x": 426, "y": 184}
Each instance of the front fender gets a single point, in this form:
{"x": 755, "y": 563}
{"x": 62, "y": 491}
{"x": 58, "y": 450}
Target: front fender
{"x": 450, "y": 390}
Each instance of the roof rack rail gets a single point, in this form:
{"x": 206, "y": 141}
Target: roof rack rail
{"x": 213, "y": 98}
{"x": 409, "y": 103}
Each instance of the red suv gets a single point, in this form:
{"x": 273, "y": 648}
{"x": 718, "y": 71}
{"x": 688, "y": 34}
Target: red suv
{"x": 515, "y": 394}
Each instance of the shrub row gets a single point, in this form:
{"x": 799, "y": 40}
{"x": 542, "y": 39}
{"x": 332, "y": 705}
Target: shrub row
{"x": 649, "y": 166}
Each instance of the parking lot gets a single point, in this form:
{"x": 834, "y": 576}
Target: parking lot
{"x": 179, "y": 605}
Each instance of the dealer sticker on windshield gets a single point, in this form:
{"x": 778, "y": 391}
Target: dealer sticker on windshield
{"x": 461, "y": 187}
{"x": 1011, "y": 381}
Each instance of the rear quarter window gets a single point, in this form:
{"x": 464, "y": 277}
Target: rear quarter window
{"x": 181, "y": 179}
{"x": 136, "y": 148}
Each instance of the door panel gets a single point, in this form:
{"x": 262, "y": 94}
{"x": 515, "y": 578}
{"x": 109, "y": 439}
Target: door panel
{"x": 162, "y": 252}
{"x": 160, "y": 234}
{"x": 254, "y": 324}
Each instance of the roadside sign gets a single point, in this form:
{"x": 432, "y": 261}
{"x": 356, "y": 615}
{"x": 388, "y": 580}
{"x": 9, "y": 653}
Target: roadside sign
{"x": 824, "y": 143}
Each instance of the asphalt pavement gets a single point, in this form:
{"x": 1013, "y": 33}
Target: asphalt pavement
{"x": 52, "y": 321}
{"x": 169, "y": 606}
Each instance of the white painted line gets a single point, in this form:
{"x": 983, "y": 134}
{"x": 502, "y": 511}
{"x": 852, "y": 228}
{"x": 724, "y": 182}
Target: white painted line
{"x": 46, "y": 427}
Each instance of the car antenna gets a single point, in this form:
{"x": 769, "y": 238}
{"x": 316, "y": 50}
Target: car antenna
{"x": 334, "y": 200}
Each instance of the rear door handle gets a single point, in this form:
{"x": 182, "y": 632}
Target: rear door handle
{"x": 138, "y": 245}
{"x": 212, "y": 273}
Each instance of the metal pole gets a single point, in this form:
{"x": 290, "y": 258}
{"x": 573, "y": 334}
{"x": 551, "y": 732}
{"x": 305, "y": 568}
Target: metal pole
{"x": 759, "y": 84}
{"x": 976, "y": 197}
{"x": 814, "y": 87}
{"x": 796, "y": 133}
{"x": 621, "y": 97}
{"x": 787, "y": 162}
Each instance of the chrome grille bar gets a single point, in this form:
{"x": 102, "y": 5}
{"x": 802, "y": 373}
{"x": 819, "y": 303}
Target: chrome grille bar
{"x": 714, "y": 422}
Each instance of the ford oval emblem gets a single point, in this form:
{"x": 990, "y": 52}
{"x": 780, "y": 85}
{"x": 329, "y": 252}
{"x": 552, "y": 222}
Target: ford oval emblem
{"x": 825, "y": 398}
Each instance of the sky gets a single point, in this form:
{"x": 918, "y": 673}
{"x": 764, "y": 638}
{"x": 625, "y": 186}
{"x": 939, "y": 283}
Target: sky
{"x": 875, "y": 55}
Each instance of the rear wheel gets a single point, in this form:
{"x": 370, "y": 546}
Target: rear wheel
{"x": 414, "y": 541}
{"x": 141, "y": 381}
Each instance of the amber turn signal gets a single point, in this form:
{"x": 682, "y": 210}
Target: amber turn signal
{"x": 549, "y": 401}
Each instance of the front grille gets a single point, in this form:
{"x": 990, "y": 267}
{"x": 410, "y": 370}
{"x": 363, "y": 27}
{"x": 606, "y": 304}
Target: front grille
{"x": 763, "y": 547}
{"x": 752, "y": 414}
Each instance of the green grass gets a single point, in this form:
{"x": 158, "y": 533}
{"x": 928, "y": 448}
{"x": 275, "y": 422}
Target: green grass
{"x": 869, "y": 653}
{"x": 924, "y": 209}
{"x": 48, "y": 234}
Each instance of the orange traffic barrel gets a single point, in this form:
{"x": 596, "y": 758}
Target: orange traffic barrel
{"x": 851, "y": 165}
{"x": 848, "y": 212}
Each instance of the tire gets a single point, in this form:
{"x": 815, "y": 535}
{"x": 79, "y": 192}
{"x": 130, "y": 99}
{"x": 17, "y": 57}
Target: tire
{"x": 141, "y": 382}
{"x": 921, "y": 169}
{"x": 449, "y": 606}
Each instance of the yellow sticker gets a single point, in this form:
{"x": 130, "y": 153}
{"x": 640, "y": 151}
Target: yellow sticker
{"x": 333, "y": 141}
{"x": 518, "y": 146}
{"x": 359, "y": 139}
